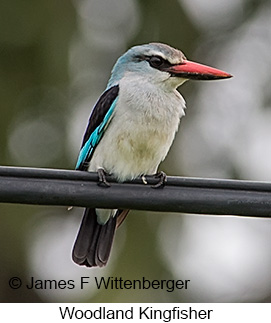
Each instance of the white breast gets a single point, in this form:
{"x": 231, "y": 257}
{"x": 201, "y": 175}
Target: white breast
{"x": 141, "y": 131}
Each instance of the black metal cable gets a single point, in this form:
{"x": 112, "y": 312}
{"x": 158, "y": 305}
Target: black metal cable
{"x": 180, "y": 194}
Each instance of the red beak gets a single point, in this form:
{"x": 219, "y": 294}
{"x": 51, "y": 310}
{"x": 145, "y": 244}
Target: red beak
{"x": 196, "y": 71}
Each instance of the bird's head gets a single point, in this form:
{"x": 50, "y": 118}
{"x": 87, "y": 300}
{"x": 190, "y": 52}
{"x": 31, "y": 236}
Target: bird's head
{"x": 160, "y": 63}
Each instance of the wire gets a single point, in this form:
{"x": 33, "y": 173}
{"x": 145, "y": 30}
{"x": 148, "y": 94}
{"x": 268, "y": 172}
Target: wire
{"x": 180, "y": 194}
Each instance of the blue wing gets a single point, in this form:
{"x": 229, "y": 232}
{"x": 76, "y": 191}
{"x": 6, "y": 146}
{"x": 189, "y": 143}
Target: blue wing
{"x": 98, "y": 121}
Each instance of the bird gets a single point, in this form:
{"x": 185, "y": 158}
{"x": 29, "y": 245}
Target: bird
{"x": 130, "y": 131}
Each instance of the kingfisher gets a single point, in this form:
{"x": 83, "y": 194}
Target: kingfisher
{"x": 130, "y": 131}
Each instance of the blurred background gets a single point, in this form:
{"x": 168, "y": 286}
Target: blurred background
{"x": 55, "y": 60}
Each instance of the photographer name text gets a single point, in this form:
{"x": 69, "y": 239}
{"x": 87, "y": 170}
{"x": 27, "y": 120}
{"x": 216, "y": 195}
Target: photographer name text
{"x": 113, "y": 283}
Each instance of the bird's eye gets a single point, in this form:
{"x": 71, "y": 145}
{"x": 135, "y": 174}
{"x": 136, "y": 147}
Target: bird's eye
{"x": 156, "y": 61}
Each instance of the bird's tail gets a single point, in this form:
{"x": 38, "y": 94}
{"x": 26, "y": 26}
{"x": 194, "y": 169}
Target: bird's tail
{"x": 94, "y": 241}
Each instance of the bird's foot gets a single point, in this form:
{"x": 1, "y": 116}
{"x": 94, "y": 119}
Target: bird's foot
{"x": 162, "y": 180}
{"x": 144, "y": 180}
{"x": 85, "y": 165}
{"x": 102, "y": 179}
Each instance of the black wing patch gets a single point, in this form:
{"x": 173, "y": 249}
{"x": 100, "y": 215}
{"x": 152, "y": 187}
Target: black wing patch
{"x": 98, "y": 121}
{"x": 100, "y": 110}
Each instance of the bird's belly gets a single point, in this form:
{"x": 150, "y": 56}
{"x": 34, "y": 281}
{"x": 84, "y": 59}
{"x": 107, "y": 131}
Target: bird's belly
{"x": 131, "y": 153}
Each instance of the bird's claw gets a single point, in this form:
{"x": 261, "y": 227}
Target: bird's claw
{"x": 102, "y": 178}
{"x": 162, "y": 180}
{"x": 144, "y": 180}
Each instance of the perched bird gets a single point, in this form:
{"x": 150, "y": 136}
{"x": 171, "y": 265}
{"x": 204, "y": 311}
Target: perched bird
{"x": 130, "y": 131}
